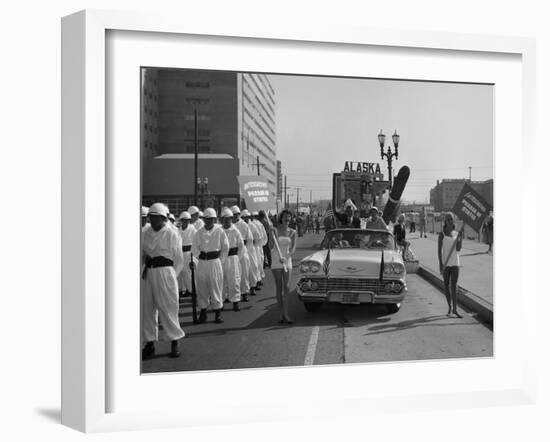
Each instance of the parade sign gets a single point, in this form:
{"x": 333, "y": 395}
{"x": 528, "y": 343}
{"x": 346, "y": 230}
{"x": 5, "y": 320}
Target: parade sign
{"x": 256, "y": 194}
{"x": 471, "y": 208}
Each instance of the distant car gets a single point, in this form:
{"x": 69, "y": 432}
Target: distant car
{"x": 354, "y": 266}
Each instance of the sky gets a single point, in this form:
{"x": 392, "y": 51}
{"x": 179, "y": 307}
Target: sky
{"x": 322, "y": 122}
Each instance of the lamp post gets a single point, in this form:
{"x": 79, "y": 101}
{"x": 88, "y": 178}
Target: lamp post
{"x": 389, "y": 154}
{"x": 202, "y": 183}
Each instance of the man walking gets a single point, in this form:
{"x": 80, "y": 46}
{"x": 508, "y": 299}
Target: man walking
{"x": 245, "y": 259}
{"x": 187, "y": 232}
{"x": 231, "y": 266}
{"x": 162, "y": 261}
{"x": 195, "y": 220}
{"x": 210, "y": 245}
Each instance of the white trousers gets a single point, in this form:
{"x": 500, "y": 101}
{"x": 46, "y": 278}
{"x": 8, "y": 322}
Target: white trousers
{"x": 160, "y": 301}
{"x": 209, "y": 280}
{"x": 245, "y": 271}
{"x": 254, "y": 272}
{"x": 184, "y": 278}
{"x": 260, "y": 250}
{"x": 232, "y": 279}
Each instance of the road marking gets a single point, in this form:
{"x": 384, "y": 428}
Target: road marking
{"x": 312, "y": 346}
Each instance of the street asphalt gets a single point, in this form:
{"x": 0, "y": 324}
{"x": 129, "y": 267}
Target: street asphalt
{"x": 338, "y": 334}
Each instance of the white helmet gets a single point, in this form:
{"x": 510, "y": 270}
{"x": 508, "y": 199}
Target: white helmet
{"x": 245, "y": 213}
{"x": 201, "y": 214}
{"x": 210, "y": 213}
{"x": 227, "y": 213}
{"x": 192, "y": 210}
{"x": 184, "y": 215}
{"x": 171, "y": 217}
{"x": 255, "y": 213}
{"x": 144, "y": 211}
{"x": 235, "y": 209}
{"x": 159, "y": 209}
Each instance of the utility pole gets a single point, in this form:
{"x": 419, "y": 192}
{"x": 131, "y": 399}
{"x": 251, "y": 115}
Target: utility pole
{"x": 470, "y": 167}
{"x": 258, "y": 164}
{"x": 297, "y": 198}
{"x": 196, "y": 142}
{"x": 285, "y": 188}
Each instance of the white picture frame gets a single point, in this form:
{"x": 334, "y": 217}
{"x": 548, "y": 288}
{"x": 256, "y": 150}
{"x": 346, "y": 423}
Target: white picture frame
{"x": 85, "y": 202}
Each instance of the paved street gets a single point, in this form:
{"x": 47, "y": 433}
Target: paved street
{"x": 335, "y": 335}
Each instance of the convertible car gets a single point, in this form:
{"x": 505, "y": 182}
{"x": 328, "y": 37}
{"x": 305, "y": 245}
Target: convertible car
{"x": 354, "y": 266}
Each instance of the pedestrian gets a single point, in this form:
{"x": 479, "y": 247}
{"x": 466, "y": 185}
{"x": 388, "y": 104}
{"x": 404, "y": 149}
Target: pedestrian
{"x": 211, "y": 246}
{"x": 422, "y": 223}
{"x": 282, "y": 244}
{"x": 400, "y": 233}
{"x": 317, "y": 225}
{"x": 448, "y": 245}
{"x": 413, "y": 224}
{"x": 162, "y": 261}
{"x": 231, "y": 266}
{"x": 195, "y": 220}
{"x": 375, "y": 221}
{"x": 248, "y": 278}
{"x": 489, "y": 231}
{"x": 267, "y": 227}
{"x": 255, "y": 259}
{"x": 187, "y": 232}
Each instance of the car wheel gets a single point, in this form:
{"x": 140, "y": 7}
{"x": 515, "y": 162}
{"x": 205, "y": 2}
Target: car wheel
{"x": 393, "y": 308}
{"x": 313, "y": 307}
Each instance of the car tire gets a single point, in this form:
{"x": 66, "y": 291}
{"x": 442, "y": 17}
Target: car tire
{"x": 313, "y": 307}
{"x": 393, "y": 308}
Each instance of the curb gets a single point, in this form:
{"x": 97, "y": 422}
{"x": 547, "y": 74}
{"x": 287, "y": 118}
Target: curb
{"x": 465, "y": 298}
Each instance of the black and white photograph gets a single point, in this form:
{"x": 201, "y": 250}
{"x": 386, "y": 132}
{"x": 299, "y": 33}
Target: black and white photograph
{"x": 294, "y": 220}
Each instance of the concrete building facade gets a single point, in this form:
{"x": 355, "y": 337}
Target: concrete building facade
{"x": 443, "y": 196}
{"x": 235, "y": 127}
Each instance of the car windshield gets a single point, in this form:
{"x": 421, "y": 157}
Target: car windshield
{"x": 358, "y": 239}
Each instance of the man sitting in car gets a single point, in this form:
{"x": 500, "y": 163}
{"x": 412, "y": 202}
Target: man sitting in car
{"x": 348, "y": 218}
{"x": 375, "y": 221}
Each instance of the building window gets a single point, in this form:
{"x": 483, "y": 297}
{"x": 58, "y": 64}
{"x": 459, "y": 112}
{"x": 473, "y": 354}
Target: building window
{"x": 197, "y": 84}
{"x": 195, "y": 100}
{"x": 200, "y": 117}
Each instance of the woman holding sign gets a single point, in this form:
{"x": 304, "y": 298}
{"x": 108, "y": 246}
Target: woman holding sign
{"x": 282, "y": 242}
{"x": 448, "y": 245}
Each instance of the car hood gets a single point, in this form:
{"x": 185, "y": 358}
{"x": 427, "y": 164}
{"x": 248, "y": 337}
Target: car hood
{"x": 355, "y": 262}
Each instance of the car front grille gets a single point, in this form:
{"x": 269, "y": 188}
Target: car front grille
{"x": 343, "y": 285}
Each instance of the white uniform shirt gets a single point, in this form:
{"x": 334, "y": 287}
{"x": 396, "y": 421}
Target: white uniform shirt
{"x": 166, "y": 242}
{"x": 210, "y": 241}
{"x": 198, "y": 224}
{"x": 255, "y": 233}
{"x": 235, "y": 239}
{"x": 187, "y": 235}
{"x": 245, "y": 231}
{"x": 261, "y": 231}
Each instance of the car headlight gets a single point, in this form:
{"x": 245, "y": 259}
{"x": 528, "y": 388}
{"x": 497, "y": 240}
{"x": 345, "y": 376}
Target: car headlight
{"x": 310, "y": 267}
{"x": 394, "y": 268}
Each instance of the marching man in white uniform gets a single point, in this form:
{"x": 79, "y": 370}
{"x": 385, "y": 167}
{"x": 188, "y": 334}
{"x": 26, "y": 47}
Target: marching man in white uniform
{"x": 162, "y": 261}
{"x": 253, "y": 252}
{"x": 260, "y": 246}
{"x": 194, "y": 212}
{"x": 246, "y": 235}
{"x": 210, "y": 245}
{"x": 232, "y": 266}
{"x": 187, "y": 232}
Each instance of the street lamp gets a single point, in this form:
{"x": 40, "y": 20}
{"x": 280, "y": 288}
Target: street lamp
{"x": 389, "y": 154}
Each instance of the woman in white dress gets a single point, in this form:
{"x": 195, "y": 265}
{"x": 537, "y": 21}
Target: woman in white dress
{"x": 282, "y": 242}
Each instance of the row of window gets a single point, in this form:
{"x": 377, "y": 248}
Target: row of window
{"x": 249, "y": 101}
{"x": 247, "y": 112}
{"x": 247, "y": 88}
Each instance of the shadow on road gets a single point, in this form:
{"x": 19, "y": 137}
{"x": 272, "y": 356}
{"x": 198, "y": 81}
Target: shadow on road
{"x": 412, "y": 323}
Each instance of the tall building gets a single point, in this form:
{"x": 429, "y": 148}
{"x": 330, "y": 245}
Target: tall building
{"x": 235, "y": 133}
{"x": 443, "y": 196}
{"x": 279, "y": 193}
